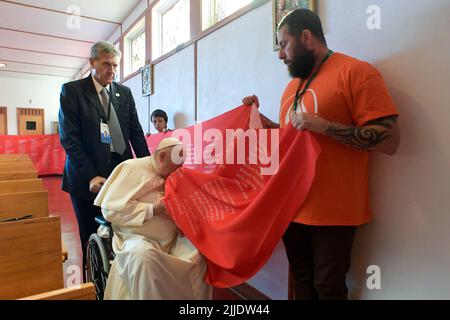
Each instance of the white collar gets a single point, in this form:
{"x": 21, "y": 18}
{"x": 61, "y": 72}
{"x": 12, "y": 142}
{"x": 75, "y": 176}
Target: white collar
{"x": 98, "y": 86}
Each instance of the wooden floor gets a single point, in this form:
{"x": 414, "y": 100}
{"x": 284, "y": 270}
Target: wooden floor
{"x": 60, "y": 205}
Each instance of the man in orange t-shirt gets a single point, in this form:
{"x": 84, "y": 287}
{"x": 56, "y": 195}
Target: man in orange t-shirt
{"x": 345, "y": 102}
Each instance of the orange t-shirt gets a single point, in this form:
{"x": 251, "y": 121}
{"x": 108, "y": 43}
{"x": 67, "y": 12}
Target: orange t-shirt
{"x": 349, "y": 92}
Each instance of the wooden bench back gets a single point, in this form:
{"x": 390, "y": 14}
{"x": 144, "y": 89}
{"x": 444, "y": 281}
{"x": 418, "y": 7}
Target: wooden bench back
{"x": 30, "y": 257}
{"x": 16, "y": 166}
{"x": 18, "y": 175}
{"x": 10, "y": 156}
{"x": 19, "y": 204}
{"x": 84, "y": 291}
{"x": 14, "y": 186}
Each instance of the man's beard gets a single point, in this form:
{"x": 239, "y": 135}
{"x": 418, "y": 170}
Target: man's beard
{"x": 302, "y": 64}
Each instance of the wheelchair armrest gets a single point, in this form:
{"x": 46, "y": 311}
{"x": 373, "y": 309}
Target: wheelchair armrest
{"x": 102, "y": 221}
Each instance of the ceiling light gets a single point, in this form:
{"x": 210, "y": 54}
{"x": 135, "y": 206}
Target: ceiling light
{"x": 2, "y": 65}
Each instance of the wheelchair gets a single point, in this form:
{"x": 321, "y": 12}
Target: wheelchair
{"x": 99, "y": 256}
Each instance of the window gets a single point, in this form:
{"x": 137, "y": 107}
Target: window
{"x": 171, "y": 25}
{"x": 138, "y": 52}
{"x": 215, "y": 10}
{"x": 86, "y": 73}
{"x": 134, "y": 49}
{"x": 117, "y": 79}
{"x": 31, "y": 125}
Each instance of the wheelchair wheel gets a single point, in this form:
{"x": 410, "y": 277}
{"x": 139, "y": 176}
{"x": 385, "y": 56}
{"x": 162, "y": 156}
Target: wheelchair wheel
{"x": 97, "y": 264}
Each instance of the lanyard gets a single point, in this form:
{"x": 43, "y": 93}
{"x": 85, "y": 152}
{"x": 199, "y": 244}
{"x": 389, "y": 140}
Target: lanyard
{"x": 299, "y": 94}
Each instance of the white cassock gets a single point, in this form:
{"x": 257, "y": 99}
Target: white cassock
{"x": 153, "y": 261}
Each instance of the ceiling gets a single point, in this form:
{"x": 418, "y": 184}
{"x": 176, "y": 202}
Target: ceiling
{"x": 39, "y": 37}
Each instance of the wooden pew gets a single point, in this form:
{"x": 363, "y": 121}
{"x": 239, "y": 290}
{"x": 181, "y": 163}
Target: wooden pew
{"x": 19, "y": 204}
{"x": 13, "y": 186}
{"x": 13, "y": 156}
{"x": 20, "y": 186}
{"x": 16, "y": 165}
{"x": 30, "y": 257}
{"x": 19, "y": 163}
{"x": 85, "y": 291}
{"x": 21, "y": 158}
{"x": 18, "y": 175}
{"x": 24, "y": 158}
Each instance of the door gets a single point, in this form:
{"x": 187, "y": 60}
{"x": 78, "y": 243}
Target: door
{"x": 3, "y": 120}
{"x": 30, "y": 121}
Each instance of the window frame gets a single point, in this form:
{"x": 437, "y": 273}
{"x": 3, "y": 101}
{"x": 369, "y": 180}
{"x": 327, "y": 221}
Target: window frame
{"x": 157, "y": 13}
{"x": 209, "y": 12}
{"x": 131, "y": 40}
{"x": 119, "y": 67}
{"x": 132, "y": 33}
{"x": 196, "y": 30}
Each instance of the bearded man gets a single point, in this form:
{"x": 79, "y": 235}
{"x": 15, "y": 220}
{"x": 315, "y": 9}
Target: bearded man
{"x": 344, "y": 102}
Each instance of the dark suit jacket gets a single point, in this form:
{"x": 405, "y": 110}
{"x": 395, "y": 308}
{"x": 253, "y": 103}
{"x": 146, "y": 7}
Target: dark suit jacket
{"x": 79, "y": 119}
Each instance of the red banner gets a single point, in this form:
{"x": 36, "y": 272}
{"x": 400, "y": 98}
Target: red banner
{"x": 237, "y": 213}
{"x": 45, "y": 151}
{"x": 154, "y": 139}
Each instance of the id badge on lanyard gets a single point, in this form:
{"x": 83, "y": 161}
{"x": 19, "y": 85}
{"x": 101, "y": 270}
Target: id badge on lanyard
{"x": 105, "y": 135}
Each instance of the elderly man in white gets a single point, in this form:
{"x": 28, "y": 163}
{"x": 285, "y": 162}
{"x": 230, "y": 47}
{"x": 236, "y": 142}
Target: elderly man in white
{"x": 153, "y": 260}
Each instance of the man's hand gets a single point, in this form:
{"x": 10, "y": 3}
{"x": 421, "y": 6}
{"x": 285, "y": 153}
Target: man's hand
{"x": 266, "y": 122}
{"x": 159, "y": 208}
{"x": 306, "y": 121}
{"x": 96, "y": 184}
{"x": 250, "y": 100}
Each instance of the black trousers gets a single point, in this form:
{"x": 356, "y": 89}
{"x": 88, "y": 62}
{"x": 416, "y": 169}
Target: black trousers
{"x": 319, "y": 259}
{"x": 85, "y": 212}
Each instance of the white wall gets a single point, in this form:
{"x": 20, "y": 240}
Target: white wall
{"x": 135, "y": 84}
{"x": 140, "y": 8}
{"x": 17, "y": 91}
{"x": 238, "y": 60}
{"x": 174, "y": 89}
{"x": 409, "y": 236}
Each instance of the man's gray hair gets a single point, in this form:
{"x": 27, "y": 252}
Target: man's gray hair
{"x": 104, "y": 47}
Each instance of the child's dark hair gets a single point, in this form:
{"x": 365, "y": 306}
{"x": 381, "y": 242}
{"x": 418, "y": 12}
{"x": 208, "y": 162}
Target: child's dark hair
{"x": 159, "y": 113}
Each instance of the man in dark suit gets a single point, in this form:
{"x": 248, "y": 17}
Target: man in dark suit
{"x": 89, "y": 107}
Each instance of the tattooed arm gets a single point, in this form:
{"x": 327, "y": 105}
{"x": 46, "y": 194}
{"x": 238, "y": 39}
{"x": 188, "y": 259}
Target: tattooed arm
{"x": 378, "y": 135}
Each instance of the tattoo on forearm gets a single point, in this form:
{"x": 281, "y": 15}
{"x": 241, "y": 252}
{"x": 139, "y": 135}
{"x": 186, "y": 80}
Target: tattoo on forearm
{"x": 360, "y": 138}
{"x": 363, "y": 138}
{"x": 386, "y": 122}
